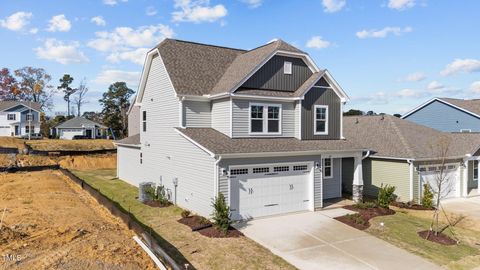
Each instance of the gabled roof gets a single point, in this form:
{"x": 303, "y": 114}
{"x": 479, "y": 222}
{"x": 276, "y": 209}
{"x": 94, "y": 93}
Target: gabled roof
{"x": 79, "y": 122}
{"x": 131, "y": 140}
{"x": 5, "y": 105}
{"x": 389, "y": 136}
{"x": 470, "y": 106}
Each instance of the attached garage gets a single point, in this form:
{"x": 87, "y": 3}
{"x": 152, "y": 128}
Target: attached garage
{"x": 67, "y": 134}
{"x": 450, "y": 180}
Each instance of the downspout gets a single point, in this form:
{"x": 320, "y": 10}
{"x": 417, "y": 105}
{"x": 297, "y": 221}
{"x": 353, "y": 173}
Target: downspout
{"x": 410, "y": 164}
{"x": 217, "y": 177}
{"x": 366, "y": 155}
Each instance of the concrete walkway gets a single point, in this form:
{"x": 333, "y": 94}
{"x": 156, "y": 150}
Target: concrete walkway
{"x": 313, "y": 240}
{"x": 469, "y": 207}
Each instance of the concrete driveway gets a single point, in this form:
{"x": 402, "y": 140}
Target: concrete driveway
{"x": 469, "y": 207}
{"x": 314, "y": 240}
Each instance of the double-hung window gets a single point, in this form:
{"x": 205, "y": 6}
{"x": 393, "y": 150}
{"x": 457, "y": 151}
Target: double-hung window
{"x": 320, "y": 120}
{"x": 29, "y": 117}
{"x": 11, "y": 116}
{"x": 265, "y": 119}
{"x": 475, "y": 170}
{"x": 327, "y": 168}
{"x": 144, "y": 121}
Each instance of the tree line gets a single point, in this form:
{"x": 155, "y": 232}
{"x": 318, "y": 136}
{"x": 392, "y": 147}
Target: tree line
{"x": 34, "y": 84}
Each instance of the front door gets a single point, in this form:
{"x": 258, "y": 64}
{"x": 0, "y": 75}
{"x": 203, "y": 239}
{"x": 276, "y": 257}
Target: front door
{"x": 17, "y": 131}
{"x": 88, "y": 133}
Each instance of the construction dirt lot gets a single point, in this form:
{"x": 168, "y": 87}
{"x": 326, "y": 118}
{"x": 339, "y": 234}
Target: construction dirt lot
{"x": 51, "y": 223}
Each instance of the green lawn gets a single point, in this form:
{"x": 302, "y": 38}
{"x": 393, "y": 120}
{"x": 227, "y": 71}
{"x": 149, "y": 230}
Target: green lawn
{"x": 401, "y": 230}
{"x": 179, "y": 241}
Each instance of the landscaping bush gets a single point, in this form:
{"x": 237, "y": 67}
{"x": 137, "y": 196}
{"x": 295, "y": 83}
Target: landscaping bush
{"x": 357, "y": 219}
{"x": 185, "y": 213}
{"x": 366, "y": 205}
{"x": 427, "y": 198}
{"x": 221, "y": 213}
{"x": 386, "y": 196}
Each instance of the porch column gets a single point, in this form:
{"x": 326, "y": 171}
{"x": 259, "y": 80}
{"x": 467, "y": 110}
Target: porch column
{"x": 357, "y": 189}
{"x": 465, "y": 178}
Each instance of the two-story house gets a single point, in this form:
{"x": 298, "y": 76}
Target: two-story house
{"x": 261, "y": 126}
{"x": 18, "y": 118}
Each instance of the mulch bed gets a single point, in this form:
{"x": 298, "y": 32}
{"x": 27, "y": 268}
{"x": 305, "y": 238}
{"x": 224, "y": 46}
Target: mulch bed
{"x": 206, "y": 228}
{"x": 439, "y": 238}
{"x": 360, "y": 220}
{"x": 157, "y": 204}
{"x": 411, "y": 206}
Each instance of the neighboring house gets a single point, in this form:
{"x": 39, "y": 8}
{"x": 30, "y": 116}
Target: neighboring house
{"x": 448, "y": 114}
{"x": 261, "y": 126}
{"x": 18, "y": 118}
{"x": 133, "y": 115}
{"x": 79, "y": 126}
{"x": 406, "y": 155}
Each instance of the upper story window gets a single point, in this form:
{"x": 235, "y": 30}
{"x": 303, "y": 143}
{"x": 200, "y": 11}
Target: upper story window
{"x": 29, "y": 117}
{"x": 287, "y": 67}
{"x": 327, "y": 168}
{"x": 265, "y": 119}
{"x": 144, "y": 121}
{"x": 321, "y": 120}
{"x": 475, "y": 170}
{"x": 11, "y": 116}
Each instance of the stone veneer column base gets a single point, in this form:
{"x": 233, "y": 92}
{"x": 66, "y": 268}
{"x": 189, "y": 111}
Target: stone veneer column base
{"x": 357, "y": 193}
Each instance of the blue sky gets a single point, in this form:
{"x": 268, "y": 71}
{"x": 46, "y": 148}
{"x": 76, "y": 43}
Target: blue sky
{"x": 389, "y": 55}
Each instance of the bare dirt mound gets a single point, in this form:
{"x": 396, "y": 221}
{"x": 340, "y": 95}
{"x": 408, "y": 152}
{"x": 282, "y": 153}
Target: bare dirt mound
{"x": 8, "y": 235}
{"x": 108, "y": 161}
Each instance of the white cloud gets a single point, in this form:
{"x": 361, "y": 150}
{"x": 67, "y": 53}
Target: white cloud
{"x": 253, "y": 3}
{"x": 475, "y": 87}
{"x": 435, "y": 85}
{"x": 408, "y": 93}
{"x": 59, "y": 23}
{"x": 125, "y": 43}
{"x": 61, "y": 52}
{"x": 136, "y": 56}
{"x": 415, "y": 77}
{"x": 461, "y": 65}
{"x": 107, "y": 77}
{"x": 383, "y": 32}
{"x": 151, "y": 11}
{"x": 332, "y": 6}
{"x": 33, "y": 30}
{"x": 316, "y": 42}
{"x": 98, "y": 20}
{"x": 197, "y": 11}
{"x": 17, "y": 21}
{"x": 401, "y": 4}
{"x": 113, "y": 2}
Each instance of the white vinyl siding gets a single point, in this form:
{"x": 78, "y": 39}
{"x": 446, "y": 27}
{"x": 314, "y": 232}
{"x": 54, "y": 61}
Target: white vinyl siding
{"x": 196, "y": 114}
{"x": 167, "y": 154}
{"x": 128, "y": 164}
{"x": 221, "y": 115}
{"x": 241, "y": 117}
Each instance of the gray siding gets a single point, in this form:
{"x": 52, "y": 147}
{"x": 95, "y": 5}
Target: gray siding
{"x": 445, "y": 118}
{"x": 134, "y": 121}
{"x": 196, "y": 114}
{"x": 317, "y": 188}
{"x": 271, "y": 76}
{"x": 332, "y": 187}
{"x": 241, "y": 117}
{"x": 321, "y": 96}
{"x": 168, "y": 155}
{"x": 221, "y": 115}
{"x": 470, "y": 183}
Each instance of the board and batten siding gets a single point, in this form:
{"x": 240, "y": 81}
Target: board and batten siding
{"x": 445, "y": 118}
{"x": 321, "y": 96}
{"x": 241, "y": 125}
{"x": 332, "y": 187}
{"x": 271, "y": 76}
{"x": 168, "y": 155}
{"x": 221, "y": 115}
{"x": 128, "y": 164}
{"x": 196, "y": 114}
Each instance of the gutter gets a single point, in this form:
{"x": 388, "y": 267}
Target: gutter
{"x": 217, "y": 176}
{"x": 366, "y": 155}
{"x": 294, "y": 153}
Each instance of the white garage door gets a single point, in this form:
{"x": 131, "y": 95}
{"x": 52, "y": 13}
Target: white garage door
{"x": 269, "y": 190}
{"x": 68, "y": 134}
{"x": 430, "y": 175}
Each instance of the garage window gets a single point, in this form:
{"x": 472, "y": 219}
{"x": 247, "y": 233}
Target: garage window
{"x": 281, "y": 169}
{"x": 327, "y": 168}
{"x": 321, "y": 120}
{"x": 475, "y": 170}
{"x": 238, "y": 171}
{"x": 265, "y": 119}
{"x": 300, "y": 167}
{"x": 432, "y": 169}
{"x": 261, "y": 170}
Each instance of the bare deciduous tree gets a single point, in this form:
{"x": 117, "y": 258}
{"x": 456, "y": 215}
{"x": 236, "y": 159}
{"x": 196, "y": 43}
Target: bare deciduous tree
{"x": 79, "y": 99}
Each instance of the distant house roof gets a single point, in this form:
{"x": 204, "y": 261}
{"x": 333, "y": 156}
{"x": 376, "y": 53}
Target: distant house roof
{"x": 220, "y": 144}
{"x": 4, "y": 105}
{"x": 471, "y": 106}
{"x": 79, "y": 122}
{"x": 389, "y": 136}
{"x": 131, "y": 140}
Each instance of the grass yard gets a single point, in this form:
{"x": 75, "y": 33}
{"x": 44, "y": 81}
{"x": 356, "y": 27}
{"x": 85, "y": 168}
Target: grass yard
{"x": 70, "y": 145}
{"x": 181, "y": 243}
{"x": 401, "y": 230}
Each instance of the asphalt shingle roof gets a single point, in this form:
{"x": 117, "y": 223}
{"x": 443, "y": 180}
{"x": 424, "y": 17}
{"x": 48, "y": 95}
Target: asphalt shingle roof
{"x": 9, "y": 104}
{"x": 133, "y": 140}
{"x": 79, "y": 122}
{"x": 471, "y": 105}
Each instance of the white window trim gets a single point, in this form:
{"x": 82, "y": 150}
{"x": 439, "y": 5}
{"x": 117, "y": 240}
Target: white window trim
{"x": 14, "y": 116}
{"x": 265, "y": 119}
{"x": 285, "y": 70}
{"x": 475, "y": 177}
{"x": 29, "y": 115}
{"x": 331, "y": 168}
{"x": 315, "y": 120}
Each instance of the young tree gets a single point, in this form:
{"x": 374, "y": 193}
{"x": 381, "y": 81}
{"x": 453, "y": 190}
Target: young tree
{"x": 79, "y": 99}
{"x": 65, "y": 83}
{"x": 8, "y": 85}
{"x": 34, "y": 86}
{"x": 115, "y": 104}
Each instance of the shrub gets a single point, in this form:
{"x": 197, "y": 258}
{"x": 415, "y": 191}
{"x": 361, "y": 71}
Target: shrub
{"x": 386, "y": 196}
{"x": 185, "y": 213}
{"x": 427, "y": 198}
{"x": 150, "y": 192}
{"x": 357, "y": 219}
{"x": 221, "y": 213}
{"x": 366, "y": 205}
